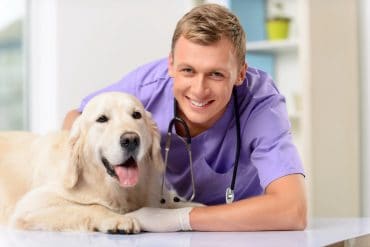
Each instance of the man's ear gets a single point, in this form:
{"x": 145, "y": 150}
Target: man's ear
{"x": 241, "y": 75}
{"x": 170, "y": 65}
{"x": 155, "y": 149}
{"x": 73, "y": 168}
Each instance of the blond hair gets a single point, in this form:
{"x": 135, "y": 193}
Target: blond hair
{"x": 208, "y": 23}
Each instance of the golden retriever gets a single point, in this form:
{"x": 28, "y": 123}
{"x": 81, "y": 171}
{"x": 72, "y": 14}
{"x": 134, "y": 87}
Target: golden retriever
{"x": 86, "y": 179}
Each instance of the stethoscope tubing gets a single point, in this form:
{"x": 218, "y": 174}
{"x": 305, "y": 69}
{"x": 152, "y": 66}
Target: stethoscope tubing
{"x": 187, "y": 142}
{"x": 229, "y": 196}
{"x": 238, "y": 139}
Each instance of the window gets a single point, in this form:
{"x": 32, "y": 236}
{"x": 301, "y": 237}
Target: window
{"x": 12, "y": 65}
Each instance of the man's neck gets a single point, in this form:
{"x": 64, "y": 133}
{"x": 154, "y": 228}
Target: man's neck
{"x": 194, "y": 130}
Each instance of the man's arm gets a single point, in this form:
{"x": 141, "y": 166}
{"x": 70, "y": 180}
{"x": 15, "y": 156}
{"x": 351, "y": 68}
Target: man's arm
{"x": 70, "y": 118}
{"x": 282, "y": 207}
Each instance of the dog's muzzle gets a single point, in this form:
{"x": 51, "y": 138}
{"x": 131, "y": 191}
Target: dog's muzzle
{"x": 127, "y": 173}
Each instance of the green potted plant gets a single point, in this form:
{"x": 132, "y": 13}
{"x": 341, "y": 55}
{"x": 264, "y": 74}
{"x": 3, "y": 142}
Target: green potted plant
{"x": 277, "y": 25}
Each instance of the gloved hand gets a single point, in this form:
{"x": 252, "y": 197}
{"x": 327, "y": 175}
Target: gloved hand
{"x": 162, "y": 219}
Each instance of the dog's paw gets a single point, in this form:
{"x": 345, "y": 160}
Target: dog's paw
{"x": 119, "y": 225}
{"x": 21, "y": 223}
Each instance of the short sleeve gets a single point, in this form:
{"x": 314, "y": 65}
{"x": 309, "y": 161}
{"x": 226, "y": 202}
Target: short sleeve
{"x": 127, "y": 84}
{"x": 136, "y": 82}
{"x": 273, "y": 152}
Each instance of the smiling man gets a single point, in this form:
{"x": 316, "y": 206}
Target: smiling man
{"x": 196, "y": 83}
{"x": 203, "y": 87}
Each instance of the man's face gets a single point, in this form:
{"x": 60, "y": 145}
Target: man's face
{"x": 204, "y": 77}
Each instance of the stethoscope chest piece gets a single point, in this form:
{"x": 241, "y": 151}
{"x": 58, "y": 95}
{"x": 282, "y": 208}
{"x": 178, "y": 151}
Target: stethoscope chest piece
{"x": 229, "y": 195}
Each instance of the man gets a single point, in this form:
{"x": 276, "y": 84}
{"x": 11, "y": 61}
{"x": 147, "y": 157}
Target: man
{"x": 206, "y": 62}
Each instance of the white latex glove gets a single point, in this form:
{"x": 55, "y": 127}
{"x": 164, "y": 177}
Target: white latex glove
{"x": 162, "y": 219}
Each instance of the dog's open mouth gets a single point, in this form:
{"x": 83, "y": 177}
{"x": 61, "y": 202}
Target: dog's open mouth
{"x": 127, "y": 173}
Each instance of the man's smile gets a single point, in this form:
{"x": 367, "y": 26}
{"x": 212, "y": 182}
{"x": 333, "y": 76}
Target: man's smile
{"x": 198, "y": 103}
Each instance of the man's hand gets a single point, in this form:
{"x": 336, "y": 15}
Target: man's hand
{"x": 162, "y": 220}
{"x": 70, "y": 118}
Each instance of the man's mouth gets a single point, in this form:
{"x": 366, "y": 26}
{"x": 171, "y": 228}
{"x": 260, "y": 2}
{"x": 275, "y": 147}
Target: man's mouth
{"x": 127, "y": 173}
{"x": 200, "y": 104}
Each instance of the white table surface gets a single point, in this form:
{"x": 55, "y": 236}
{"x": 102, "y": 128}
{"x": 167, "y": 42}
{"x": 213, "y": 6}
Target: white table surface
{"x": 320, "y": 232}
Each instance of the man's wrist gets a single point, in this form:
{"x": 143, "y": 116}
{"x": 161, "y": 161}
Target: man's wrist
{"x": 184, "y": 218}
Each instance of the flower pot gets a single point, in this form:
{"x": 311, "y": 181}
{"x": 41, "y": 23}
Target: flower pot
{"x": 278, "y": 28}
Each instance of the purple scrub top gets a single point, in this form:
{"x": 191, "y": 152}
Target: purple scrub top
{"x": 267, "y": 150}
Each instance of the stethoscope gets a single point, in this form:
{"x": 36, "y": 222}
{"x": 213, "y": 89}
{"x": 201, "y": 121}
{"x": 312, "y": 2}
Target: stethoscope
{"x": 229, "y": 193}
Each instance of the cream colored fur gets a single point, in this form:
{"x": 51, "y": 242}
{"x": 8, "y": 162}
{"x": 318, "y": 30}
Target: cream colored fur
{"x": 58, "y": 181}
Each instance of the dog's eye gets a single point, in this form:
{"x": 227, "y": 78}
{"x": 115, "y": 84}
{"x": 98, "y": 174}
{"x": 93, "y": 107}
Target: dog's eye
{"x": 136, "y": 115}
{"x": 102, "y": 119}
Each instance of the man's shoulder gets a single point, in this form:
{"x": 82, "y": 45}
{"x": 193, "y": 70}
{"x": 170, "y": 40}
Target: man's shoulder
{"x": 257, "y": 75}
{"x": 258, "y": 82}
{"x": 158, "y": 64}
{"x": 152, "y": 71}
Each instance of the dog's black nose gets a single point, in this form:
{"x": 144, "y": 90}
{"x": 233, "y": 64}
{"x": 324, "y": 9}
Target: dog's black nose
{"x": 129, "y": 141}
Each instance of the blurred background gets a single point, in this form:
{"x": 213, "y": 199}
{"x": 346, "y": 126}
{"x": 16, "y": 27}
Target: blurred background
{"x": 55, "y": 52}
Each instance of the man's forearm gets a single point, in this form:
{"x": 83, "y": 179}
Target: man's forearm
{"x": 282, "y": 207}
{"x": 272, "y": 211}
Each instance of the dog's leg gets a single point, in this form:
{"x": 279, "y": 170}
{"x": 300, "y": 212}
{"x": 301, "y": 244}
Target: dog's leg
{"x": 44, "y": 210}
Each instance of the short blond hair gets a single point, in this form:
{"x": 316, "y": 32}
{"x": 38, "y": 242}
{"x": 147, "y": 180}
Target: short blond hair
{"x": 209, "y": 23}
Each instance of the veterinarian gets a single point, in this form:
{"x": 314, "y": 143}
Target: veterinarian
{"x": 207, "y": 60}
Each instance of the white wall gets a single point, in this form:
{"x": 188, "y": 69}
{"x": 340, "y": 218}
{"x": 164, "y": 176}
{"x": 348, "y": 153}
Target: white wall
{"x": 365, "y": 84}
{"x": 77, "y": 47}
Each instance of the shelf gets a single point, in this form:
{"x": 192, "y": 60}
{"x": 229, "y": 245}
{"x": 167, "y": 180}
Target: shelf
{"x": 267, "y": 46}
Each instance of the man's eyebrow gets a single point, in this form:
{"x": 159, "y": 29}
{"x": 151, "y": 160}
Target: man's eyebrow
{"x": 221, "y": 70}
{"x": 184, "y": 65}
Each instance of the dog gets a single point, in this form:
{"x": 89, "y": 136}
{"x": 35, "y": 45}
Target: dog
{"x": 85, "y": 179}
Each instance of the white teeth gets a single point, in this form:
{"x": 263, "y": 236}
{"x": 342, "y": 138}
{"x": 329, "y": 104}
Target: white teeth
{"x": 199, "y": 104}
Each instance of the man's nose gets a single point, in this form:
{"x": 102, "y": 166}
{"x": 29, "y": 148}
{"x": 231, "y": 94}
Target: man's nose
{"x": 200, "y": 86}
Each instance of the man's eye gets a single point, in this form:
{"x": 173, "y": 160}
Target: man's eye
{"x": 187, "y": 70}
{"x": 217, "y": 74}
{"x": 102, "y": 119}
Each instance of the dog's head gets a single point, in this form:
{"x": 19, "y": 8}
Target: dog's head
{"x": 117, "y": 136}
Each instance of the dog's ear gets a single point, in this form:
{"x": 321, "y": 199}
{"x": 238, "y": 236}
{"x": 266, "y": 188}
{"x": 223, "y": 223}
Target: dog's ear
{"x": 73, "y": 168}
{"x": 155, "y": 152}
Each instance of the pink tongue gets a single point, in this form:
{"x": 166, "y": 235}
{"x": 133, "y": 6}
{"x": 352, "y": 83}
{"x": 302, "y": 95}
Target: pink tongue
{"x": 128, "y": 176}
